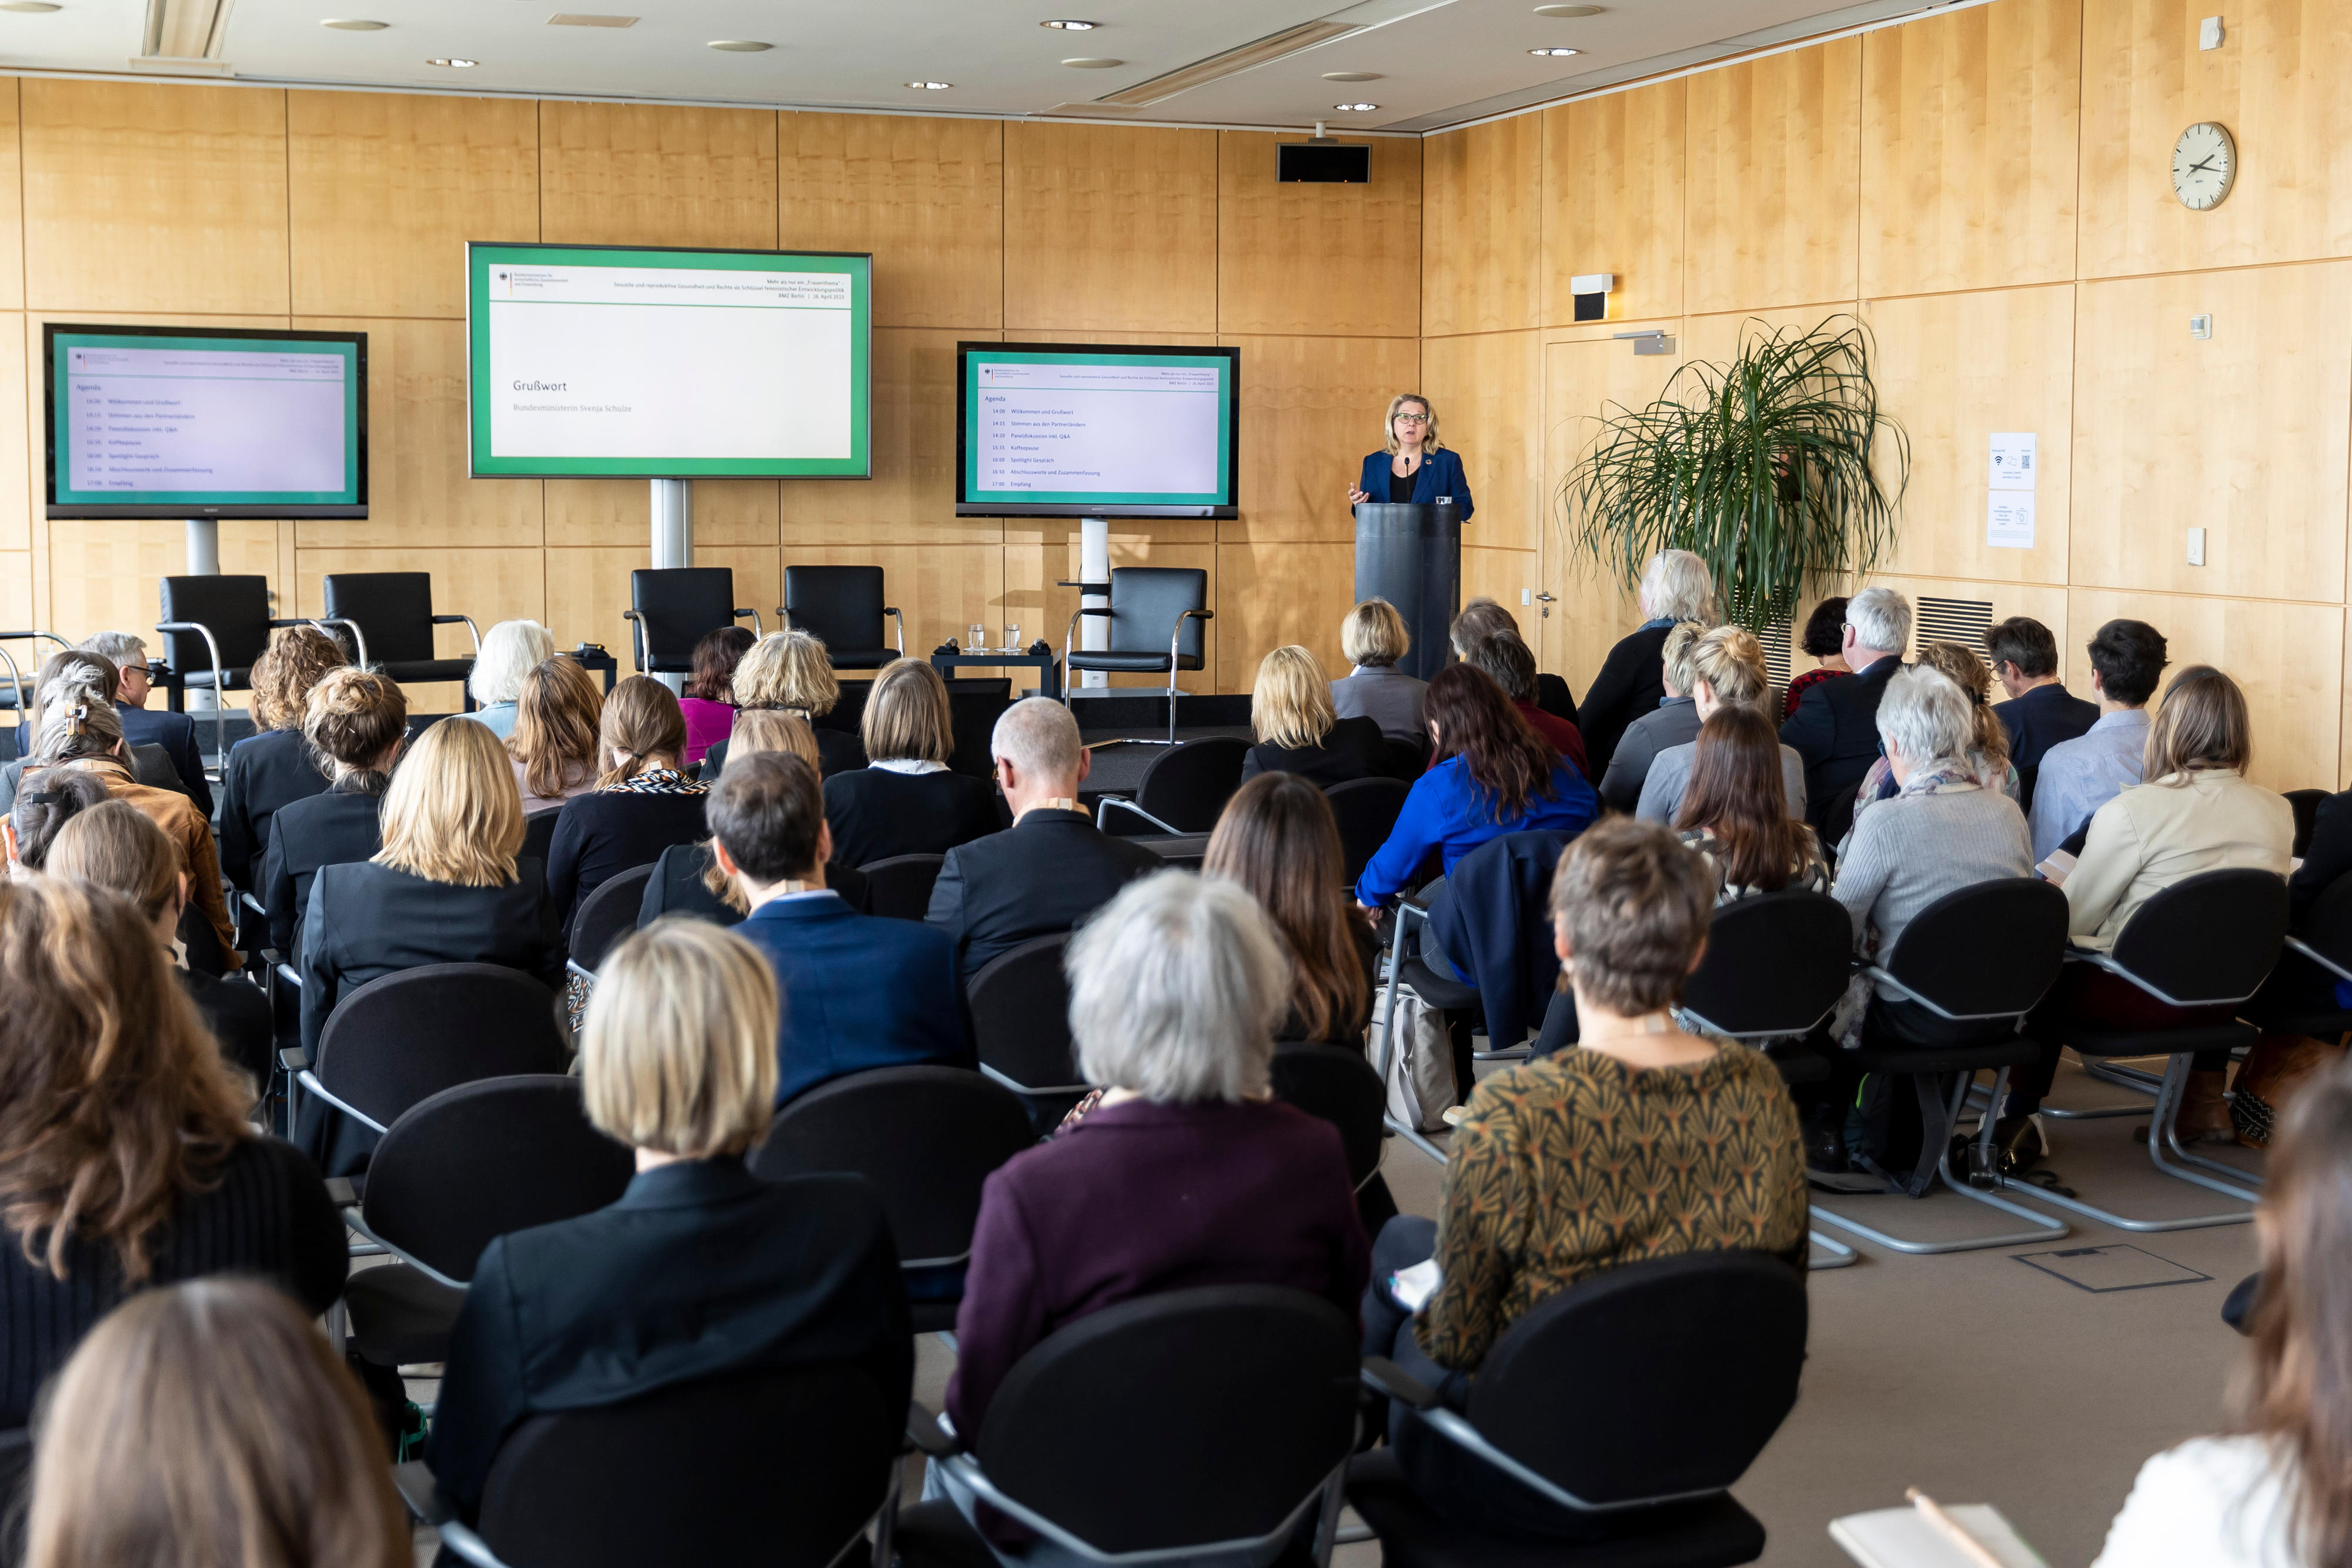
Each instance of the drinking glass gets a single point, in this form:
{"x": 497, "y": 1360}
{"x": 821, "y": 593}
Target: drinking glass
{"x": 976, "y": 637}
{"x": 1012, "y": 636}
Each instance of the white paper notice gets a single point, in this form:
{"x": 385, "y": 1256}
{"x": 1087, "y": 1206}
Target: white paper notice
{"x": 2008, "y": 519}
{"x": 2013, "y": 460}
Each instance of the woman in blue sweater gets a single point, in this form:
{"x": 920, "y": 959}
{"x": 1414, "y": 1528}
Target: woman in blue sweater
{"x": 1417, "y": 466}
{"x": 1494, "y": 775}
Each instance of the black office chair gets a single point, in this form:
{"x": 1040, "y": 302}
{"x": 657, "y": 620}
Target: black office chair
{"x": 2299, "y": 997}
{"x": 2305, "y": 804}
{"x": 214, "y": 628}
{"x": 1335, "y": 1082}
{"x": 389, "y": 615}
{"x": 606, "y": 916}
{"x": 900, "y": 886}
{"x": 1233, "y": 1408}
{"x": 1696, "y": 1357}
{"x": 1155, "y": 618}
{"x": 924, "y": 1138}
{"x": 1184, "y": 790}
{"x": 842, "y": 607}
{"x": 1020, "y": 1004}
{"x": 1774, "y": 967}
{"x": 539, "y": 834}
{"x": 671, "y": 608}
{"x": 1368, "y": 809}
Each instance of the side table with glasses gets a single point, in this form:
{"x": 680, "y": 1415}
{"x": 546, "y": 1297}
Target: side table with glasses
{"x": 950, "y": 657}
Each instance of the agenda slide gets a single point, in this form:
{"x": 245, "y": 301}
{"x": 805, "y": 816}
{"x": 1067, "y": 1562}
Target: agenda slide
{"x": 1097, "y": 429}
{"x": 595, "y": 361}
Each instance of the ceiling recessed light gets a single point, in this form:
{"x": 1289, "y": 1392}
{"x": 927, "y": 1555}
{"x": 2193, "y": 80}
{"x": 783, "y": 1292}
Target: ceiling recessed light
{"x": 340, "y": 23}
{"x": 1556, "y": 54}
{"x": 30, "y": 5}
{"x": 1088, "y": 63}
{"x": 741, "y": 46}
{"x": 1351, "y": 76}
{"x": 931, "y": 86}
{"x": 1357, "y": 108}
{"x": 452, "y": 62}
{"x": 1570, "y": 10}
{"x": 1072, "y": 26}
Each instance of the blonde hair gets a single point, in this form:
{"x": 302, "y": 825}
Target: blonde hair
{"x": 1374, "y": 635}
{"x": 787, "y": 670}
{"x": 1290, "y": 704}
{"x": 906, "y": 714}
{"x": 1961, "y": 665}
{"x": 758, "y": 731}
{"x": 1731, "y": 661}
{"x": 452, "y": 814}
{"x": 1675, "y": 660}
{"x": 679, "y": 1051}
{"x": 1428, "y": 442}
{"x": 641, "y": 720}
{"x": 296, "y": 659}
{"x": 2201, "y": 726}
{"x": 114, "y": 846}
{"x": 354, "y": 717}
{"x": 556, "y": 714}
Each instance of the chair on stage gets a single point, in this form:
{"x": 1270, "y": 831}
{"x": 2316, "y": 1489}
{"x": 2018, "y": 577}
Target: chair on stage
{"x": 671, "y": 608}
{"x": 215, "y": 628}
{"x": 842, "y": 607}
{"x": 1155, "y": 617}
{"x": 389, "y": 615}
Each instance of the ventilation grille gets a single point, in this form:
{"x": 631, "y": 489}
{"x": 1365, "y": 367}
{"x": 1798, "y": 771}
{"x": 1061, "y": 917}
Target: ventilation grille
{"x": 1272, "y": 46}
{"x": 580, "y": 19}
{"x": 1961, "y": 620}
{"x": 1775, "y": 639}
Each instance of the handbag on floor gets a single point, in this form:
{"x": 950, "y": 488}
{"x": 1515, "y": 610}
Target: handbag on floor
{"x": 1420, "y": 1064}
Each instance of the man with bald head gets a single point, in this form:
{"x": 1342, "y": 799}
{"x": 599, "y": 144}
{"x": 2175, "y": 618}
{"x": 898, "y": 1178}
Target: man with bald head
{"x": 1053, "y": 867}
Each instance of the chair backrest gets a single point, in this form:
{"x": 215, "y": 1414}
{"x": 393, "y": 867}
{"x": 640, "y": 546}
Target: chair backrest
{"x": 778, "y": 1468}
{"x": 1021, "y": 1014}
{"x": 539, "y": 834}
{"x": 2327, "y": 925}
{"x": 471, "y": 1164}
{"x": 1231, "y": 1403}
{"x": 1986, "y": 950}
{"x": 1774, "y": 964}
{"x": 2212, "y": 937}
{"x": 237, "y": 609}
{"x": 392, "y": 609}
{"x": 404, "y": 1038}
{"x": 1696, "y": 1356}
{"x": 2305, "y": 804}
{"x": 1187, "y": 786}
{"x": 1368, "y": 809}
{"x": 1338, "y": 1085}
{"x": 607, "y": 915}
{"x": 674, "y": 606}
{"x": 900, "y": 886}
{"x": 841, "y": 606}
{"x": 923, "y": 1137}
{"x": 1145, "y": 601}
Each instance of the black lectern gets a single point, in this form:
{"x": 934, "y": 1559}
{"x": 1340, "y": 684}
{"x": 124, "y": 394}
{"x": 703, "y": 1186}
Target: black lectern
{"x": 1412, "y": 557}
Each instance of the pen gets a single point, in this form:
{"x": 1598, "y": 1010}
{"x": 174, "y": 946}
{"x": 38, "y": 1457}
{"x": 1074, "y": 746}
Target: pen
{"x": 1951, "y": 1529}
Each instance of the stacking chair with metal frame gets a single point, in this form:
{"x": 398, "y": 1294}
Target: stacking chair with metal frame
{"x": 1019, "y": 1003}
{"x": 606, "y": 916}
{"x": 389, "y": 617}
{"x": 1184, "y": 790}
{"x": 1150, "y": 606}
{"x": 899, "y": 888}
{"x": 215, "y": 629}
{"x": 2320, "y": 955}
{"x": 1367, "y": 811}
{"x": 1336, "y": 1084}
{"x": 843, "y": 607}
{"x": 671, "y": 608}
{"x": 19, "y": 693}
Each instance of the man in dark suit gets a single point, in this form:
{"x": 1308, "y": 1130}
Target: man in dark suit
{"x": 1836, "y": 726}
{"x": 2040, "y": 713}
{"x": 859, "y": 990}
{"x": 174, "y": 732}
{"x": 1045, "y": 874}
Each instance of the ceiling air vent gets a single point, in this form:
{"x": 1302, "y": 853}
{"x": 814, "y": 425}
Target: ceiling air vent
{"x": 184, "y": 35}
{"x": 1272, "y": 46}
{"x": 576, "y": 19}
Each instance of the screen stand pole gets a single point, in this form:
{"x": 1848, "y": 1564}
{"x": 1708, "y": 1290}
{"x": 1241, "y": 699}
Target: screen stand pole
{"x": 204, "y": 560}
{"x": 672, "y": 514}
{"x": 1094, "y": 566}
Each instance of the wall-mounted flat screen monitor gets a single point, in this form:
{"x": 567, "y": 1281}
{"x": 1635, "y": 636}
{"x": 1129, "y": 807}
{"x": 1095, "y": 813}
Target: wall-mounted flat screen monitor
{"x": 202, "y": 421}
{"x": 625, "y": 362}
{"x": 1095, "y": 430}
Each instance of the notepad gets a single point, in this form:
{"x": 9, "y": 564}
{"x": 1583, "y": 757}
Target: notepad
{"x": 1903, "y": 1538}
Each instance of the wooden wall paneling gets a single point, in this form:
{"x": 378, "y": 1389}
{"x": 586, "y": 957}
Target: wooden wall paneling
{"x": 759, "y": 577}
{"x": 12, "y": 196}
{"x": 1775, "y": 166}
{"x": 1270, "y": 595}
{"x": 154, "y": 196}
{"x": 911, "y": 497}
{"x": 1715, "y": 339}
{"x": 926, "y": 196}
{"x": 2276, "y": 82}
{"x": 17, "y": 606}
{"x": 384, "y": 190}
{"x": 620, "y": 174}
{"x": 1969, "y": 125}
{"x": 1481, "y": 227}
{"x": 489, "y": 584}
{"x": 1952, "y": 369}
{"x": 1310, "y": 411}
{"x": 1109, "y": 229}
{"x": 618, "y": 513}
{"x": 105, "y": 575}
{"x": 1613, "y": 171}
{"x": 587, "y": 590}
{"x": 22, "y": 466}
{"x": 2243, "y": 434}
{"x": 1489, "y": 400}
{"x": 2045, "y": 602}
{"x": 1502, "y": 575}
{"x": 1339, "y": 260}
{"x": 941, "y": 588}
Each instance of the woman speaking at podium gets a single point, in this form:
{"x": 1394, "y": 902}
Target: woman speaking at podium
{"x": 1417, "y": 467}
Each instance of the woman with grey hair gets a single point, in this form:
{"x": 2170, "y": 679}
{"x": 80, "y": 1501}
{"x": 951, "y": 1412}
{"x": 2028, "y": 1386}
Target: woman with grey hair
{"x": 1675, "y": 587}
{"x": 1189, "y": 1172}
{"x": 510, "y": 650}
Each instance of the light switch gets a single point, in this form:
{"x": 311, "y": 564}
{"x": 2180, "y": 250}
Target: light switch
{"x": 2201, "y": 326}
{"x": 2197, "y": 547}
{"x": 2209, "y": 33}
{"x": 1527, "y": 596}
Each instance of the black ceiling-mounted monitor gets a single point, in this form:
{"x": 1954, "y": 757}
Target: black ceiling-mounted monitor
{"x": 1316, "y": 163}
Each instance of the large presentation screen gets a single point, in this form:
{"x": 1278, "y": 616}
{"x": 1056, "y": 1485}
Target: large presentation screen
{"x": 1095, "y": 430}
{"x": 200, "y": 422}
{"x": 605, "y": 361}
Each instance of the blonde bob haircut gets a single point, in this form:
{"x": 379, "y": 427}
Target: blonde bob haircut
{"x": 1429, "y": 442}
{"x": 787, "y": 670}
{"x": 2201, "y": 726}
{"x": 1374, "y": 635}
{"x": 1290, "y": 704}
{"x": 1175, "y": 988}
{"x": 758, "y": 731}
{"x": 679, "y": 1054}
{"x": 1731, "y": 661}
{"x": 452, "y": 814}
{"x": 906, "y": 716}
{"x": 1681, "y": 643}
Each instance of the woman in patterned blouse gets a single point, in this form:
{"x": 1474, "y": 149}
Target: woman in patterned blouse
{"x": 1735, "y": 812}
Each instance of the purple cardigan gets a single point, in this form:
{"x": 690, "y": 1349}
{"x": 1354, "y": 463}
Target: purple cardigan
{"x": 1142, "y": 1198}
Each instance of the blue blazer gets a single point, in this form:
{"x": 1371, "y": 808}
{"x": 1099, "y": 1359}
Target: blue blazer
{"x": 1449, "y": 812}
{"x": 1440, "y": 475}
{"x": 859, "y": 991}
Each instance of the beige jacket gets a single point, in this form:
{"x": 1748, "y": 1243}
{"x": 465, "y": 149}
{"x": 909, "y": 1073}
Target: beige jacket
{"x": 2153, "y": 835}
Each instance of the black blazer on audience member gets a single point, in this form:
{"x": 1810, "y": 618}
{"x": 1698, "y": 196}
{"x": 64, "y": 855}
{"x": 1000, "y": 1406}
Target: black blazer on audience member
{"x": 1043, "y": 875}
{"x": 2040, "y": 719}
{"x": 837, "y": 751}
{"x": 700, "y": 1270}
{"x": 1631, "y": 684}
{"x": 1353, "y": 748}
{"x": 1835, "y": 730}
{"x": 342, "y": 825}
{"x": 2325, "y": 858}
{"x": 605, "y": 832}
{"x": 876, "y": 813}
{"x": 1553, "y": 697}
{"x": 677, "y": 887}
{"x": 266, "y": 773}
{"x": 177, "y": 733}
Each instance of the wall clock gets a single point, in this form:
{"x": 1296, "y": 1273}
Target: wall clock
{"x": 2204, "y": 165}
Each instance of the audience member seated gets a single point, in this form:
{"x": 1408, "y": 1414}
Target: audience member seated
{"x": 642, "y": 802}
{"x": 1645, "y": 1143}
{"x": 686, "y": 878}
{"x": 2040, "y": 713}
{"x": 1824, "y": 642}
{"x": 1511, "y": 665}
{"x": 904, "y": 801}
{"x": 2197, "y": 812}
{"x": 709, "y": 701}
{"x": 552, "y": 738}
{"x": 1726, "y": 669}
{"x": 1735, "y": 811}
{"x": 1291, "y": 719}
{"x": 273, "y": 767}
{"x": 1987, "y": 758}
{"x": 792, "y": 672}
{"x": 860, "y": 991}
{"x": 37, "y": 815}
{"x": 1494, "y": 775}
{"x": 2078, "y": 777}
{"x": 1675, "y": 587}
{"x": 700, "y": 1270}
{"x": 1485, "y": 617}
{"x": 1674, "y": 722}
{"x": 1374, "y": 637}
{"x": 510, "y": 650}
{"x": 149, "y": 764}
{"x": 1277, "y": 838}
{"x": 125, "y": 1157}
{"x": 1832, "y": 728}
{"x": 1053, "y": 868}
{"x": 356, "y": 724}
{"x": 208, "y": 1425}
{"x": 174, "y": 732}
{"x": 1188, "y": 1174}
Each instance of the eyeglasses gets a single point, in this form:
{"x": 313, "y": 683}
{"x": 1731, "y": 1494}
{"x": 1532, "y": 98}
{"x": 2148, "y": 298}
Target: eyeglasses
{"x": 1415, "y": 418}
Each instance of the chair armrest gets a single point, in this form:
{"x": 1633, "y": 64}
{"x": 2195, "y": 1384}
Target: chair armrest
{"x": 294, "y": 1059}
{"x": 758, "y": 629}
{"x": 573, "y": 965}
{"x": 2298, "y": 944}
{"x": 2102, "y": 961}
{"x": 1388, "y": 1378}
{"x": 310, "y": 1085}
{"x": 468, "y": 622}
{"x": 900, "y": 631}
{"x": 279, "y": 621}
{"x": 1877, "y": 976}
{"x": 1096, "y": 610}
{"x": 286, "y": 973}
{"x": 461, "y": 1540}
{"x": 923, "y": 1430}
{"x": 418, "y": 1489}
{"x": 892, "y": 610}
{"x": 1110, "y": 801}
{"x": 340, "y": 1192}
